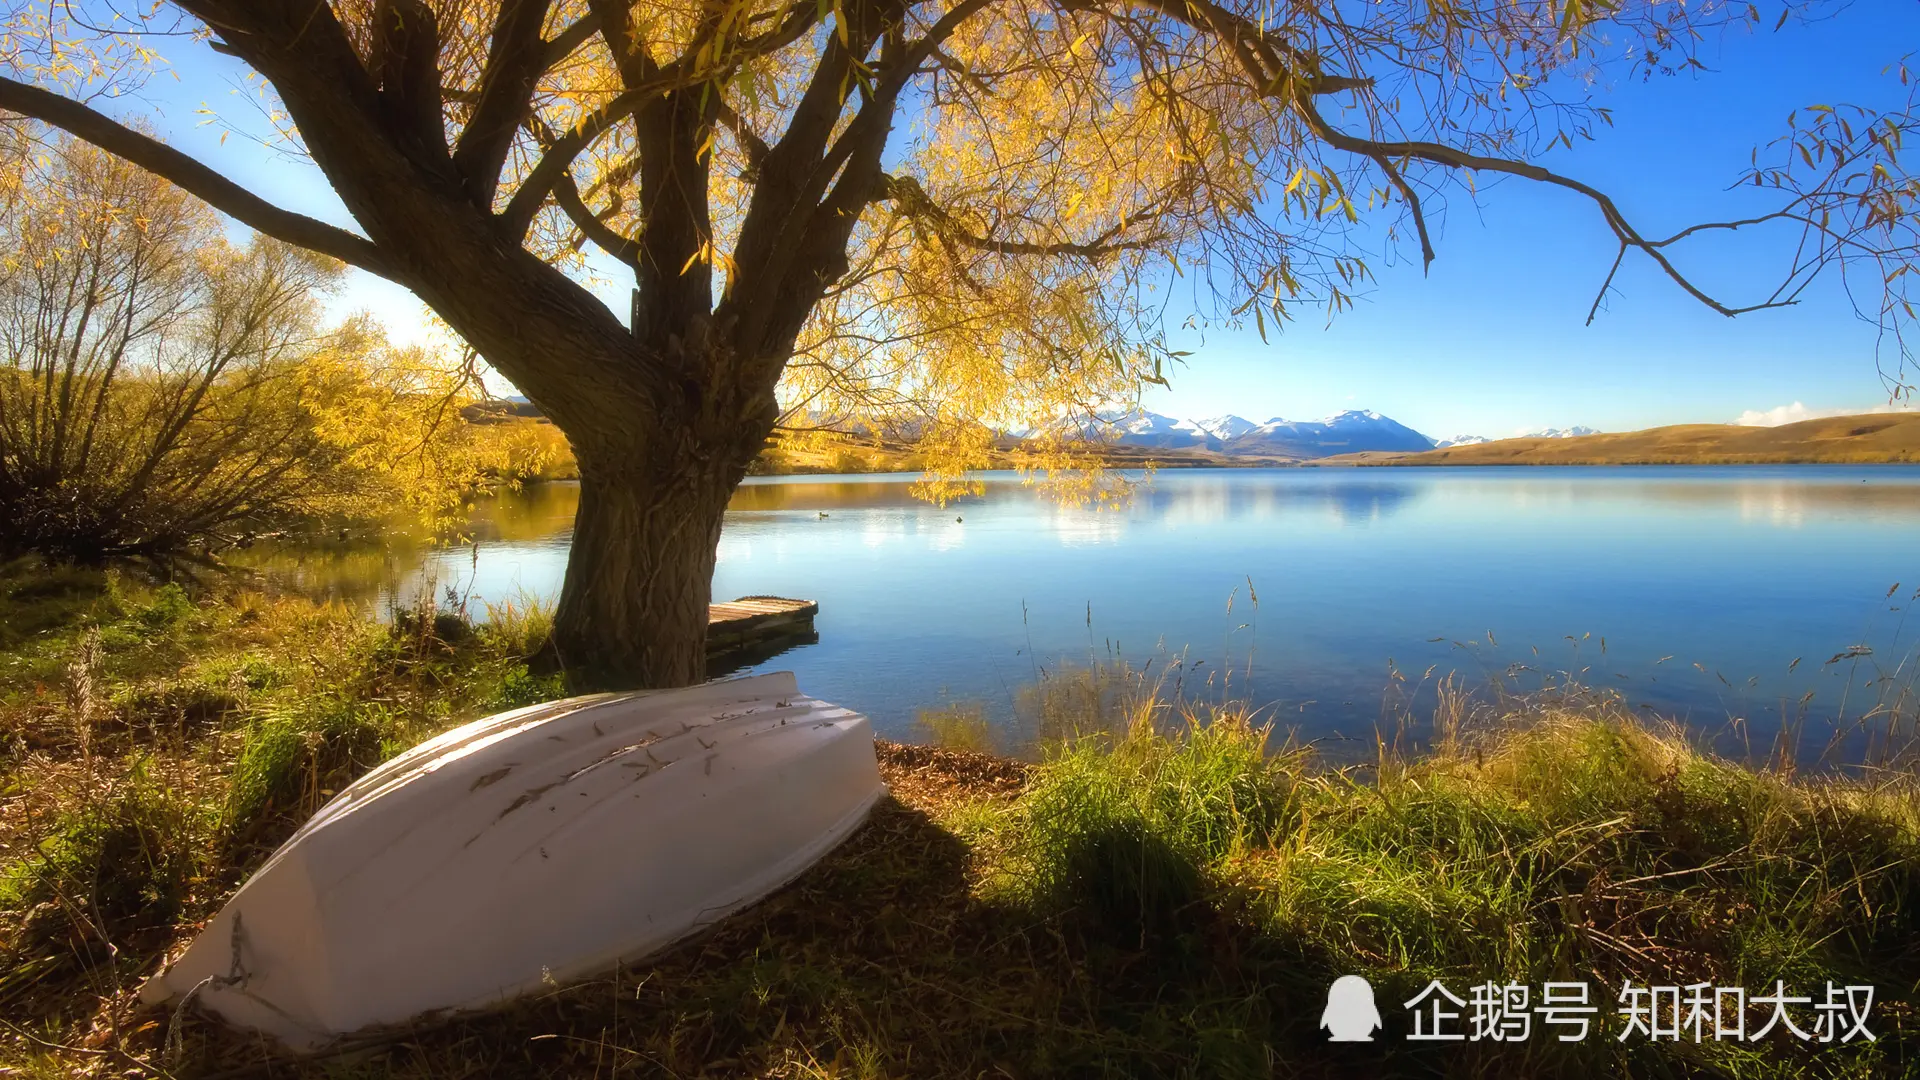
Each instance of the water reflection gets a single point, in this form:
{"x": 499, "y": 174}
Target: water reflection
{"x": 1695, "y": 588}
{"x": 1345, "y": 497}
{"x": 778, "y": 493}
{"x": 358, "y": 574}
{"x": 536, "y": 513}
{"x": 1194, "y": 497}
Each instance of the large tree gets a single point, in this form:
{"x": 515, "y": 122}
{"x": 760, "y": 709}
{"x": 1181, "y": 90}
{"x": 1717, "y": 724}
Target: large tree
{"x": 964, "y": 207}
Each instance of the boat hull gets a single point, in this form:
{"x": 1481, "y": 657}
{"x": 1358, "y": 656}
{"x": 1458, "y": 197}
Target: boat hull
{"x": 528, "y": 849}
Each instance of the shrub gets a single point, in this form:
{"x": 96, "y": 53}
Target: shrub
{"x": 167, "y": 608}
{"x": 162, "y": 404}
{"x": 520, "y": 687}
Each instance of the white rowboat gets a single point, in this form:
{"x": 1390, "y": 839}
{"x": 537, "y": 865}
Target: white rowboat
{"x": 532, "y": 847}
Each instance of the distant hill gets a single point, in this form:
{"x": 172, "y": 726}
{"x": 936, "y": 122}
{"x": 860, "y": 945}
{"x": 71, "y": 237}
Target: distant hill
{"x": 1875, "y": 437}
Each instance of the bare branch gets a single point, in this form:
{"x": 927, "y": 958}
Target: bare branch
{"x": 604, "y": 236}
{"x": 1441, "y": 154}
{"x": 518, "y": 216}
{"x": 204, "y": 183}
{"x": 644, "y": 81}
{"x": 1606, "y": 284}
{"x": 1413, "y": 206}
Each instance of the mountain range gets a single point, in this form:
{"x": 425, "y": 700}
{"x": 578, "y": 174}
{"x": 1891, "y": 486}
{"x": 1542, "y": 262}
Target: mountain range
{"x": 1349, "y": 432}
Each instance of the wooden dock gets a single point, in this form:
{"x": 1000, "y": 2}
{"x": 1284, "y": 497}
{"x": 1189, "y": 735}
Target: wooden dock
{"x": 755, "y": 628}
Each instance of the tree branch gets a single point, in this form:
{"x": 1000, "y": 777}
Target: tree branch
{"x": 515, "y": 58}
{"x": 571, "y": 38}
{"x": 604, "y": 236}
{"x": 644, "y": 80}
{"x": 1279, "y": 70}
{"x": 630, "y": 55}
{"x": 1619, "y": 257}
{"x": 1413, "y": 205}
{"x": 406, "y": 55}
{"x": 196, "y": 179}
{"x": 518, "y": 216}
{"x": 1442, "y": 154}
{"x": 750, "y": 141}
{"x": 960, "y": 70}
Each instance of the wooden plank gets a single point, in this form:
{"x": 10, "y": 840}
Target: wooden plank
{"x": 752, "y": 628}
{"x": 749, "y": 609}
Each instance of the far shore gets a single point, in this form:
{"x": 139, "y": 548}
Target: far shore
{"x": 1870, "y": 439}
{"x": 1343, "y": 461}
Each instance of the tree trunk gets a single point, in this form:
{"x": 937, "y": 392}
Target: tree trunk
{"x": 633, "y": 610}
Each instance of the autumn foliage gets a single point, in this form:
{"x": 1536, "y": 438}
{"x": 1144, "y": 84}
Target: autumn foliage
{"x": 163, "y": 387}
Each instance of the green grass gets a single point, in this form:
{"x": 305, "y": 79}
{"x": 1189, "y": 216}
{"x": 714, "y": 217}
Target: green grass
{"x": 1118, "y": 835}
{"x": 293, "y": 758}
{"x": 1163, "y": 891}
{"x": 108, "y": 877}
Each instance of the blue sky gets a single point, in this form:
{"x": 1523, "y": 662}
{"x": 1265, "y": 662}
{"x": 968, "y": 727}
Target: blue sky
{"x": 1492, "y": 340}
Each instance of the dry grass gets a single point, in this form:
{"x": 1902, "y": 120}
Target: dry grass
{"x": 1838, "y": 440}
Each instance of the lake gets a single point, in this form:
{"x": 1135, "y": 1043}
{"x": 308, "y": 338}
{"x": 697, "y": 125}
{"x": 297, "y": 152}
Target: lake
{"x": 1714, "y": 594}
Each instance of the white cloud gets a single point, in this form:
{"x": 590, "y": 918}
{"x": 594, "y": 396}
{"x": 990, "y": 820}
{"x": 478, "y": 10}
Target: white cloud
{"x": 1789, "y": 414}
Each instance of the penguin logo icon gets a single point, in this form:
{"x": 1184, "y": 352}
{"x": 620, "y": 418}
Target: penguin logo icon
{"x": 1350, "y": 1015}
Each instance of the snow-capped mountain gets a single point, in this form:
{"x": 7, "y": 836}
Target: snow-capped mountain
{"x": 1138, "y": 427}
{"x": 1561, "y": 433}
{"x": 1133, "y": 427}
{"x": 1343, "y": 433}
{"x": 1461, "y": 440}
{"x": 1225, "y": 427}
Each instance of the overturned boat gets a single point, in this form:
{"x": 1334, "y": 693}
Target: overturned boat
{"x": 531, "y": 847}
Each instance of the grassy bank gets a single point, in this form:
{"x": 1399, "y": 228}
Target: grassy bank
{"x": 1164, "y": 892}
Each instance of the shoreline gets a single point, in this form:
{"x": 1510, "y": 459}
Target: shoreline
{"x": 1868, "y": 439}
{"x": 1414, "y": 462}
{"x": 1325, "y": 463}
{"x": 1167, "y": 884}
